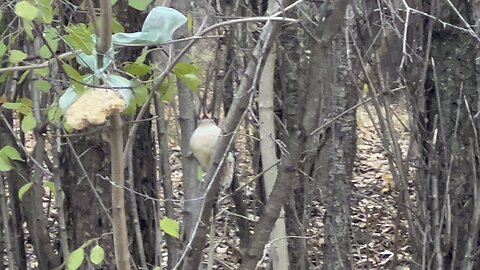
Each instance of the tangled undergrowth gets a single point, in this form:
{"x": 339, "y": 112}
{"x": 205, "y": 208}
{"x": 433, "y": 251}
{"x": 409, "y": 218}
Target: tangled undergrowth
{"x": 373, "y": 210}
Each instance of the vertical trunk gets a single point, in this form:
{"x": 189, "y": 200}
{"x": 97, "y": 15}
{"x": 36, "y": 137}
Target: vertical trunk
{"x": 236, "y": 113}
{"x": 32, "y": 205}
{"x": 37, "y": 220}
{"x": 7, "y": 237}
{"x": 192, "y": 187}
{"x": 340, "y": 147}
{"x": 292, "y": 75}
{"x": 15, "y": 179}
{"x": 448, "y": 177}
{"x": 278, "y": 249}
{"x": 231, "y": 68}
{"x": 143, "y": 153}
{"x": 329, "y": 153}
{"x": 332, "y": 91}
{"x": 164, "y": 171}
{"x": 120, "y": 233}
{"x": 87, "y": 196}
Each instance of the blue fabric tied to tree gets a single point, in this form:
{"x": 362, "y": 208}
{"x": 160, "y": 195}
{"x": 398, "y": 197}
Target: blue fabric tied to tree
{"x": 158, "y": 28}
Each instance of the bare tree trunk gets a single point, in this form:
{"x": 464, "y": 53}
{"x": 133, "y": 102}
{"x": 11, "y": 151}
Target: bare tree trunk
{"x": 337, "y": 154}
{"x": 339, "y": 95}
{"x": 15, "y": 181}
{"x": 193, "y": 190}
{"x": 6, "y": 226}
{"x": 165, "y": 180}
{"x": 231, "y": 69}
{"x": 47, "y": 258}
{"x": 196, "y": 245}
{"x": 87, "y": 197}
{"x": 278, "y": 248}
{"x": 444, "y": 97}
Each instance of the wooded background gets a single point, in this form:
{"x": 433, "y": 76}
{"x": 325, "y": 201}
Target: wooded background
{"x": 288, "y": 81}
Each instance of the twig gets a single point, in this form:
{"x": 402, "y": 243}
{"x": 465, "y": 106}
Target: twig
{"x": 59, "y": 197}
{"x": 20, "y": 144}
{"x": 201, "y": 32}
{"x": 38, "y": 66}
{"x": 106, "y": 178}
{"x": 361, "y": 103}
{"x": 120, "y": 237}
{"x": 134, "y": 212}
{"x": 6, "y": 224}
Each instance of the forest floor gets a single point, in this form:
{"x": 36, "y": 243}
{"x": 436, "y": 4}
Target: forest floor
{"x": 374, "y": 207}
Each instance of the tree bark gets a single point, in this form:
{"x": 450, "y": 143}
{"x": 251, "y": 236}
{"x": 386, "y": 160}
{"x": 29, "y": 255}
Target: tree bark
{"x": 196, "y": 245}
{"x": 279, "y": 246}
{"x": 445, "y": 100}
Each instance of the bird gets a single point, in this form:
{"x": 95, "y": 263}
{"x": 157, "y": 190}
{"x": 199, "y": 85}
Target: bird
{"x": 202, "y": 144}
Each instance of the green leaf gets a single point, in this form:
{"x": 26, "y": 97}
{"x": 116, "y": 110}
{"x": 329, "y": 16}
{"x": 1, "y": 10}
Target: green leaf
{"x": 68, "y": 128}
{"x": 3, "y": 48}
{"x": 365, "y": 89}
{"x": 97, "y": 254}
{"x": 141, "y": 94}
{"x": 54, "y": 114}
{"x": 12, "y": 106}
{"x": 11, "y": 153}
{"x": 186, "y": 72}
{"x": 131, "y": 109}
{"x": 28, "y": 28}
{"x": 45, "y": 9}
{"x": 18, "y": 106}
{"x": 51, "y": 36}
{"x": 139, "y": 4}
{"x": 142, "y": 57}
{"x": 23, "y": 77}
{"x": 116, "y": 26}
{"x": 190, "y": 80}
{"x": 42, "y": 71}
{"x": 5, "y": 164}
{"x": 42, "y": 85}
{"x": 170, "y": 227}
{"x": 79, "y": 38}
{"x": 137, "y": 69}
{"x": 167, "y": 90}
{"x": 16, "y": 56}
{"x": 189, "y": 22}
{"x": 51, "y": 186}
{"x": 75, "y": 259}
{"x": 44, "y": 52}
{"x": 72, "y": 73}
{"x": 75, "y": 76}
{"x": 156, "y": 268}
{"x": 28, "y": 123}
{"x": 200, "y": 173}
{"x": 23, "y": 190}
{"x": 26, "y": 101}
{"x": 26, "y": 11}
{"x": 184, "y": 68}
{"x": 4, "y": 76}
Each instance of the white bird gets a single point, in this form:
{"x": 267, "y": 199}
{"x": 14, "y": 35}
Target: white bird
{"x": 203, "y": 142}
